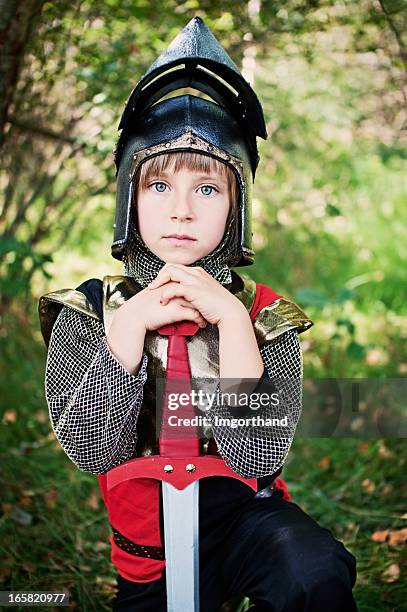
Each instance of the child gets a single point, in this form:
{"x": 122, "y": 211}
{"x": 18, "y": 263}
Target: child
{"x": 183, "y": 219}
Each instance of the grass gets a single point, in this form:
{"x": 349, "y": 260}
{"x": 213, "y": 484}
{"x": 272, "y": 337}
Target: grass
{"x": 353, "y": 487}
{"x": 53, "y": 525}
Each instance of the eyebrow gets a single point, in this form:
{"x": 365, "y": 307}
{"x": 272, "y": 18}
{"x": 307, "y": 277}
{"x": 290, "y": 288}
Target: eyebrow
{"x": 212, "y": 177}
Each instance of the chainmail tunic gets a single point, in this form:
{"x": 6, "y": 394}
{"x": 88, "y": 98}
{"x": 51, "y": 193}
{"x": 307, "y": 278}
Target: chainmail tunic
{"x": 94, "y": 402}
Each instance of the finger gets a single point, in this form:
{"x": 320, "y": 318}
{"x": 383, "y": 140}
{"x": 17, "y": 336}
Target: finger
{"x": 176, "y": 290}
{"x": 181, "y": 303}
{"x": 172, "y": 272}
{"x": 191, "y": 314}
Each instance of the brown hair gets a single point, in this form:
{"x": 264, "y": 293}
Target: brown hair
{"x": 197, "y": 162}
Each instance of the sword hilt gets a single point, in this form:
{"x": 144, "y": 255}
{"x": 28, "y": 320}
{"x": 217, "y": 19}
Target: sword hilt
{"x": 178, "y": 471}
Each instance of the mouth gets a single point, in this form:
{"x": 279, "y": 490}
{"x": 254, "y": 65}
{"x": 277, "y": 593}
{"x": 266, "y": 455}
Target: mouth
{"x": 180, "y": 239}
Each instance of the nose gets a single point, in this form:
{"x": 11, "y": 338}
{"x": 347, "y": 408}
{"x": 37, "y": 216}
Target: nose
{"x": 181, "y": 209}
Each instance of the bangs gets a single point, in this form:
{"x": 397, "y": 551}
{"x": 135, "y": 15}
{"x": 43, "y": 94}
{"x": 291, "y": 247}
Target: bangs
{"x": 180, "y": 160}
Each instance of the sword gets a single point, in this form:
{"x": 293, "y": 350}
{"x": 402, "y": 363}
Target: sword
{"x": 180, "y": 483}
{"x": 181, "y": 537}
{"x": 179, "y": 467}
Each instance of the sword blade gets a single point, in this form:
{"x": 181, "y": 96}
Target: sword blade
{"x": 181, "y": 537}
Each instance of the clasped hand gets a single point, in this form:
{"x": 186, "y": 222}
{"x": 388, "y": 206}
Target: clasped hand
{"x": 203, "y": 292}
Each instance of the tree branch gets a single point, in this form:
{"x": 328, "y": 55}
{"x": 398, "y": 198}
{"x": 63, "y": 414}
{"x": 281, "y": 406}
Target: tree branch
{"x": 37, "y": 129}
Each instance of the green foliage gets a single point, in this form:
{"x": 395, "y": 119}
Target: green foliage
{"x": 329, "y": 229}
{"x": 19, "y": 262}
{"x": 352, "y": 488}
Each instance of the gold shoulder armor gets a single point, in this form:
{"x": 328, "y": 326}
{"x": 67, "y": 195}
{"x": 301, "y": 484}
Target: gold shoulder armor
{"x": 116, "y": 290}
{"x": 277, "y": 318}
{"x": 51, "y": 304}
{"x": 248, "y": 293}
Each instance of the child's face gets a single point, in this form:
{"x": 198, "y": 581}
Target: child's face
{"x": 188, "y": 203}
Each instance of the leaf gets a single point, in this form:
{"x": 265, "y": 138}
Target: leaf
{"x": 368, "y": 485}
{"x": 394, "y": 537}
{"x": 383, "y": 451}
{"x": 392, "y": 573}
{"x": 332, "y": 211}
{"x": 386, "y": 490}
{"x": 363, "y": 447}
{"x": 343, "y": 295}
{"x": 312, "y": 297}
{"x": 355, "y": 350}
{"x": 26, "y": 502}
{"x": 397, "y": 536}
{"x": 348, "y": 324}
{"x": 380, "y": 536}
{"x": 9, "y": 416}
{"x": 93, "y": 500}
{"x": 41, "y": 416}
{"x": 324, "y": 463}
{"x": 50, "y": 498}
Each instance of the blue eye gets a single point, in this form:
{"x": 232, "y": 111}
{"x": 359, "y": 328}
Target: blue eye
{"x": 204, "y": 190}
{"x": 160, "y": 187}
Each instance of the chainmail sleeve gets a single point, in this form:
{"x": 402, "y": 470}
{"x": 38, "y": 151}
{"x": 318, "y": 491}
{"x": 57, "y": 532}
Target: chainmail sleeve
{"x": 93, "y": 401}
{"x": 257, "y": 450}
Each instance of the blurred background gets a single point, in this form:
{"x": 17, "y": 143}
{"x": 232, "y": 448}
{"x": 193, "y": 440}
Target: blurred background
{"x": 330, "y": 234}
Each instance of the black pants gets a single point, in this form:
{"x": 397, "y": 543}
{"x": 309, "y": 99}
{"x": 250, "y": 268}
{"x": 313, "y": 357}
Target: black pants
{"x": 272, "y": 552}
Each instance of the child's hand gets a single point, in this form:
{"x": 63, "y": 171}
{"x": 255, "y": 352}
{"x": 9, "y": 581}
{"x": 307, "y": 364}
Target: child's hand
{"x": 146, "y": 310}
{"x": 203, "y": 292}
{"x": 141, "y": 313}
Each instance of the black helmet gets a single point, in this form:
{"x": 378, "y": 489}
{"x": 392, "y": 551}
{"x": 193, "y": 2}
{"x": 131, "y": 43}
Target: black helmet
{"x": 225, "y": 128}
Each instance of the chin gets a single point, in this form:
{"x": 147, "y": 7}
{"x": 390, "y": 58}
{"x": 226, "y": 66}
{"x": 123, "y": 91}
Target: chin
{"x": 179, "y": 256}
{"x": 181, "y": 259}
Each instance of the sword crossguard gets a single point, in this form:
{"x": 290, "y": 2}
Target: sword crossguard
{"x": 177, "y": 471}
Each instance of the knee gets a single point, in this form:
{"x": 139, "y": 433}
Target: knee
{"x": 319, "y": 559}
{"x": 328, "y": 585}
{"x": 322, "y": 573}
{"x": 310, "y": 558}
{"x": 300, "y": 568}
